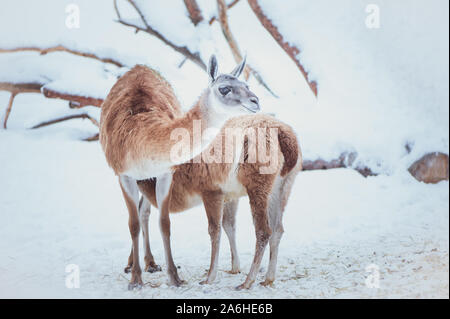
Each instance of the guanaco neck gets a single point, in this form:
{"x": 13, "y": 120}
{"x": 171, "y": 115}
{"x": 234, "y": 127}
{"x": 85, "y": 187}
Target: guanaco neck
{"x": 202, "y": 119}
{"x": 205, "y": 112}
{"x": 196, "y": 135}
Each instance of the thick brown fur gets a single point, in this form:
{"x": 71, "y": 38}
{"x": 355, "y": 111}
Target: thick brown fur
{"x": 191, "y": 179}
{"x": 216, "y": 183}
{"x": 138, "y": 116}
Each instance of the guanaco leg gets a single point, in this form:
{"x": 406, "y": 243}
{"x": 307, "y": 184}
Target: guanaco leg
{"x": 229, "y": 225}
{"x": 131, "y": 194}
{"x": 258, "y": 203}
{"x": 213, "y": 202}
{"x": 144, "y": 214}
{"x": 163, "y": 196}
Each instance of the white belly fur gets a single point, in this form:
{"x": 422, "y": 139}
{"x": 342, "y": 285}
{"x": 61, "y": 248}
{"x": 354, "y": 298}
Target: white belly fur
{"x": 147, "y": 169}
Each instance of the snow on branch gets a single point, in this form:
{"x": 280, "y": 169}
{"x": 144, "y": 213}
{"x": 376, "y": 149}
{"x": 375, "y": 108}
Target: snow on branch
{"x": 345, "y": 160}
{"x": 78, "y": 78}
{"x": 291, "y": 50}
{"x": 60, "y": 48}
{"x": 75, "y": 101}
{"x": 145, "y": 27}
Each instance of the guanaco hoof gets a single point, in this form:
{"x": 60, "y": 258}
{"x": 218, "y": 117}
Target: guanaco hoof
{"x": 133, "y": 286}
{"x": 127, "y": 269}
{"x": 153, "y": 268}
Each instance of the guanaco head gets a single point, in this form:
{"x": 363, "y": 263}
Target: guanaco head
{"x": 228, "y": 94}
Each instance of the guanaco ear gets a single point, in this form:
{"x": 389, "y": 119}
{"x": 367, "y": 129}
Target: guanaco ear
{"x": 239, "y": 68}
{"x": 212, "y": 67}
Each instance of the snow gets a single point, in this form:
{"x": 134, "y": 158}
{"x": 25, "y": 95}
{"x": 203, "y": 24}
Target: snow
{"x": 59, "y": 71}
{"x": 379, "y": 89}
{"x": 157, "y": 16}
{"x": 337, "y": 223}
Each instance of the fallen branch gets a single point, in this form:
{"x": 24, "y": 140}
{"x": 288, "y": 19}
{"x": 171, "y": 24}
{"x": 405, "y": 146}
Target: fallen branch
{"x": 75, "y": 101}
{"x": 194, "y": 57}
{"x": 14, "y": 89}
{"x": 291, "y": 50}
{"x": 232, "y": 43}
{"x": 60, "y": 48}
{"x": 194, "y": 11}
{"x": 67, "y": 118}
{"x": 21, "y": 87}
{"x": 346, "y": 160}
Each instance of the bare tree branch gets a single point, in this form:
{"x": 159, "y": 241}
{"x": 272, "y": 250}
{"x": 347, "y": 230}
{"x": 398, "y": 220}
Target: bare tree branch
{"x": 75, "y": 101}
{"x": 16, "y": 88}
{"x": 8, "y": 109}
{"x": 194, "y": 57}
{"x": 21, "y": 87}
{"x": 231, "y": 5}
{"x": 223, "y": 19}
{"x": 291, "y": 50}
{"x": 60, "y": 48}
{"x": 92, "y": 138}
{"x": 32, "y": 87}
{"x": 66, "y": 118}
{"x": 194, "y": 11}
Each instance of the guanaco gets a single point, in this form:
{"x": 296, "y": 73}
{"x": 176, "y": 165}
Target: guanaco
{"x": 137, "y": 119}
{"x": 220, "y": 184}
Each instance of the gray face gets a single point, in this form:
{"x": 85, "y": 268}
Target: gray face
{"x": 230, "y": 94}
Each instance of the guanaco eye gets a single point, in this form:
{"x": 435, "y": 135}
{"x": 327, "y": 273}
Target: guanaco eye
{"x": 224, "y": 90}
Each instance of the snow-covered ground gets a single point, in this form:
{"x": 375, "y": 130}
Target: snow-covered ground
{"x": 379, "y": 90}
{"x": 62, "y": 205}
